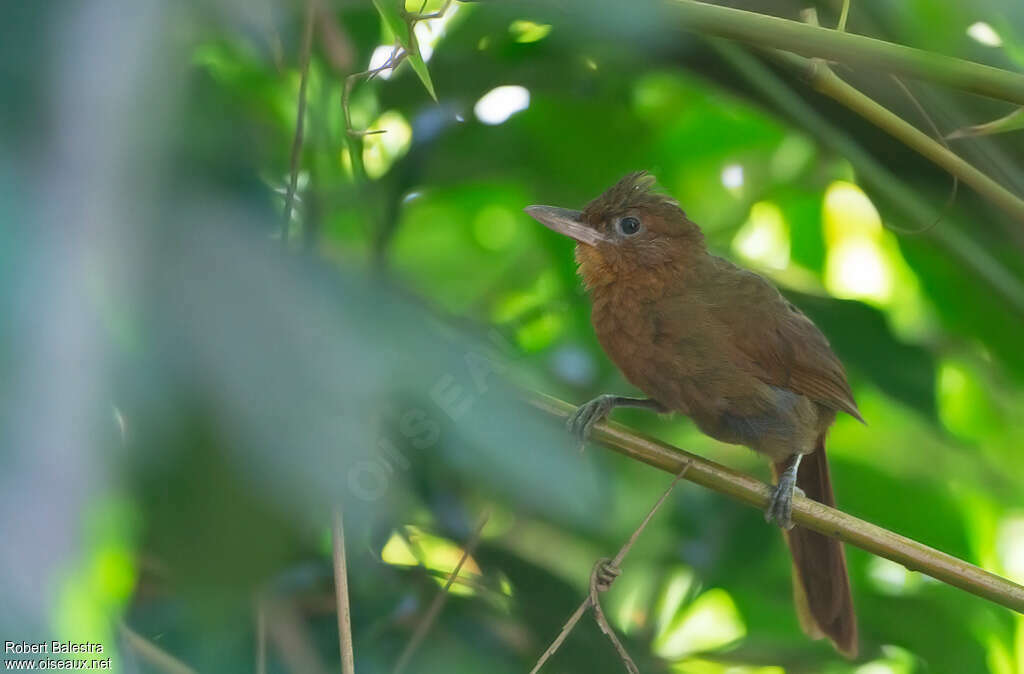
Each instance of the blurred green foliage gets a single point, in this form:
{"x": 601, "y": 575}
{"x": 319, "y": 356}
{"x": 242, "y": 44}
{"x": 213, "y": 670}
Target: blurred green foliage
{"x": 246, "y": 383}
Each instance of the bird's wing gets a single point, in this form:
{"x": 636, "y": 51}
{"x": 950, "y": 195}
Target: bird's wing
{"x": 781, "y": 345}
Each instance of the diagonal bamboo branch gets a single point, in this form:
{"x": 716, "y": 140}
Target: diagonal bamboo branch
{"x": 879, "y": 179}
{"x": 824, "y": 80}
{"x": 806, "y": 513}
{"x": 833, "y": 45}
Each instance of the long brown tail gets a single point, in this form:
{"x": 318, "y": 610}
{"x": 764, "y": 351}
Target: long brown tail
{"x": 821, "y": 586}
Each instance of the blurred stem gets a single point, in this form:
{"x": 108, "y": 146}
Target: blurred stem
{"x": 155, "y": 656}
{"x": 833, "y": 45}
{"x": 341, "y": 595}
{"x": 430, "y": 617}
{"x": 806, "y": 512}
{"x": 822, "y": 79}
{"x": 841, "y": 27}
{"x": 300, "y": 119}
{"x": 876, "y": 176}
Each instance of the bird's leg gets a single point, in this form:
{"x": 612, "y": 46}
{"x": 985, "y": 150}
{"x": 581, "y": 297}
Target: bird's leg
{"x": 581, "y": 422}
{"x": 780, "y": 509}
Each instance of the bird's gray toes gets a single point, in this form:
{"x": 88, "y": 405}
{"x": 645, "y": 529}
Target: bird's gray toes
{"x": 581, "y": 422}
{"x": 780, "y": 509}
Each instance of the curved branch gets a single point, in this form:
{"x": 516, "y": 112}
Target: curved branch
{"x": 806, "y": 513}
{"x": 832, "y": 45}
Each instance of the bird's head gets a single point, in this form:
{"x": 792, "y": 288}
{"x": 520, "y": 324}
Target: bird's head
{"x": 628, "y": 229}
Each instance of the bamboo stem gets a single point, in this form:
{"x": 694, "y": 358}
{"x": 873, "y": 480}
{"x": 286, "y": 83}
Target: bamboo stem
{"x": 880, "y": 180}
{"x": 824, "y": 80}
{"x": 806, "y": 512}
{"x": 833, "y": 45}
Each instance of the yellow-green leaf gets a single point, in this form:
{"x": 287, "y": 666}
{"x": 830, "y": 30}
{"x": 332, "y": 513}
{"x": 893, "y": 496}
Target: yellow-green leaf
{"x": 392, "y": 18}
{"x": 1011, "y": 122}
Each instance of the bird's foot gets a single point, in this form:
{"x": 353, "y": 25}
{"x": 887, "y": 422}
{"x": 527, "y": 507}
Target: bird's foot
{"x": 780, "y": 508}
{"x": 581, "y": 422}
{"x": 605, "y": 572}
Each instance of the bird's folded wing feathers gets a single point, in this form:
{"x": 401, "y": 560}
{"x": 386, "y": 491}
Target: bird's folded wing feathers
{"x": 783, "y": 347}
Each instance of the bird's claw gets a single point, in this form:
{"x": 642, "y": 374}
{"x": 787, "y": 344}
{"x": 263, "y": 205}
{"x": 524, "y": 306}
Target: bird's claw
{"x": 606, "y": 572}
{"x": 581, "y": 422}
{"x": 780, "y": 508}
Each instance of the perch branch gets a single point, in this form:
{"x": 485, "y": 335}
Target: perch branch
{"x": 833, "y": 45}
{"x": 806, "y": 512}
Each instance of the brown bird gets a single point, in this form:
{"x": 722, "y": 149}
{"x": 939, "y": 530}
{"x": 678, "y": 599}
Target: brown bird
{"x": 701, "y": 336}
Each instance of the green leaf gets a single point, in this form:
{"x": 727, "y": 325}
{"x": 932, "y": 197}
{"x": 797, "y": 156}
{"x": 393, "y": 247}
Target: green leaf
{"x": 1011, "y": 122}
{"x": 392, "y": 18}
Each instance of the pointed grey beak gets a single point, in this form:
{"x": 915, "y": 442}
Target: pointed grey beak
{"x": 565, "y": 221}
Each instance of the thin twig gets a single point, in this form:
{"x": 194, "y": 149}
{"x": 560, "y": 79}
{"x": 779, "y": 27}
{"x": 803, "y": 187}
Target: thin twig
{"x": 940, "y": 138}
{"x": 439, "y": 599}
{"x": 602, "y": 621}
{"x": 341, "y": 595}
{"x": 592, "y": 598}
{"x": 300, "y": 115}
{"x": 151, "y": 653}
{"x": 807, "y": 512}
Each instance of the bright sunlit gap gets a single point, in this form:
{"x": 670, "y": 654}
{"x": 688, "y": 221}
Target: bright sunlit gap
{"x": 856, "y": 266}
{"x": 764, "y": 237}
{"x": 1010, "y": 543}
{"x": 379, "y": 57}
{"x": 732, "y": 177}
{"x": 891, "y": 578}
{"x": 430, "y": 32}
{"x": 527, "y": 31}
{"x": 711, "y": 621}
{"x": 984, "y": 34}
{"x": 381, "y": 150}
{"x": 864, "y": 262}
{"x": 100, "y": 585}
{"x": 500, "y": 103}
{"x": 435, "y": 553}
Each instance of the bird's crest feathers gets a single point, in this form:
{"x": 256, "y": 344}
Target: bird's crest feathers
{"x": 635, "y": 190}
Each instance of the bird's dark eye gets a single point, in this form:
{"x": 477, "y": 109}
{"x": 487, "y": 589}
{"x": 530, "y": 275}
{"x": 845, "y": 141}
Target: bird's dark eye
{"x": 629, "y": 225}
